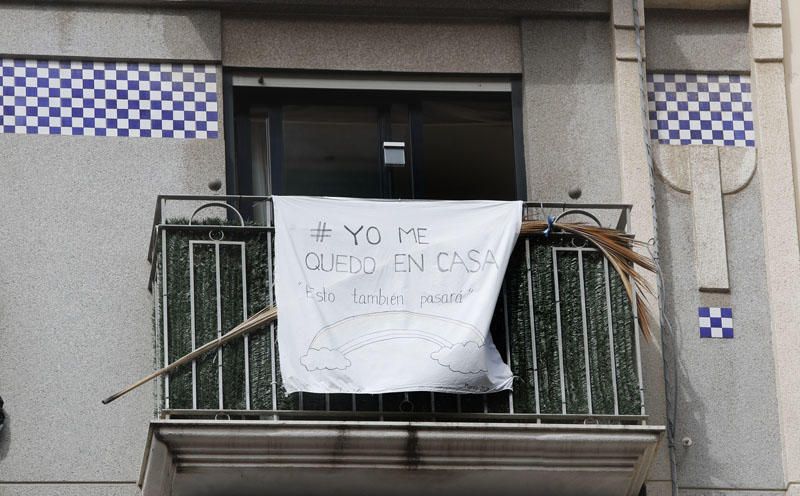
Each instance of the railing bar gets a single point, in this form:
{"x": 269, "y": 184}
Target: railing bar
{"x": 270, "y": 302}
{"x": 192, "y": 324}
{"x": 219, "y": 323}
{"x": 340, "y": 415}
{"x": 327, "y": 402}
{"x": 586, "y": 360}
{"x": 575, "y": 249}
{"x": 527, "y": 204}
{"x": 433, "y": 402}
{"x": 158, "y": 395}
{"x": 164, "y": 313}
{"x": 246, "y": 336}
{"x": 508, "y": 347}
{"x": 191, "y": 197}
{"x": 638, "y": 351}
{"x": 611, "y": 338}
{"x": 269, "y": 212}
{"x": 558, "y": 329}
{"x": 533, "y": 323}
{"x": 353, "y": 399}
{"x": 220, "y": 227}
{"x": 227, "y": 243}
{"x": 274, "y": 384}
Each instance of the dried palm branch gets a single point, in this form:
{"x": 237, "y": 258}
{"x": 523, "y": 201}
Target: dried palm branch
{"x": 618, "y": 248}
{"x": 256, "y": 321}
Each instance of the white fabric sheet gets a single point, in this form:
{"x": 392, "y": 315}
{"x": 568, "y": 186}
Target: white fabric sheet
{"x": 387, "y": 296}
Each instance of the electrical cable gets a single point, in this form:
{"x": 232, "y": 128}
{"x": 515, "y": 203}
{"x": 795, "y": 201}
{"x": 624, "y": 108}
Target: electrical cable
{"x": 667, "y": 334}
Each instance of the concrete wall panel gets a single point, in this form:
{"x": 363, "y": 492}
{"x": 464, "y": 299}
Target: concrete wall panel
{"x": 727, "y": 400}
{"x": 372, "y": 45}
{"x": 697, "y": 41}
{"x": 569, "y": 116}
{"x": 106, "y": 32}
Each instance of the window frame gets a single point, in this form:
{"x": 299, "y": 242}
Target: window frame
{"x": 375, "y": 89}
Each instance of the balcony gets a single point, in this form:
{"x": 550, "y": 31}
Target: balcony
{"x": 575, "y": 422}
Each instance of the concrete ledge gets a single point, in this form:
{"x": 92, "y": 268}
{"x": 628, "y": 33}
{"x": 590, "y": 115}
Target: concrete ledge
{"x": 357, "y": 44}
{"x": 388, "y": 458}
{"x": 395, "y": 8}
{"x": 109, "y": 32}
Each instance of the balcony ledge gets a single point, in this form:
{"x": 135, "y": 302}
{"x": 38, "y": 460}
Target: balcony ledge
{"x": 207, "y": 457}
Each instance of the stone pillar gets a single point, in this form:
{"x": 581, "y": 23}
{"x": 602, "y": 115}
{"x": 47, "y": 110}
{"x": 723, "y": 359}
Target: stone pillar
{"x": 779, "y": 222}
{"x": 635, "y": 186}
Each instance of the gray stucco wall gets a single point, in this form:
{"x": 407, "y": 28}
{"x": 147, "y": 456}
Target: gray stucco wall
{"x": 568, "y": 110}
{"x": 697, "y": 41}
{"x": 75, "y": 313}
{"x": 372, "y": 45}
{"x": 74, "y": 307}
{"x": 727, "y": 400}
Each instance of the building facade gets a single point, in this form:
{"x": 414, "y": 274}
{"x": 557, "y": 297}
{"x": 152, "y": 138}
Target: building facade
{"x": 672, "y": 119}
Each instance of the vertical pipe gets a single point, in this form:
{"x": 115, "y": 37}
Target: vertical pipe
{"x": 611, "y": 338}
{"x": 192, "y": 322}
{"x": 164, "y": 313}
{"x": 585, "y": 333}
{"x": 246, "y": 336}
{"x": 219, "y": 325}
{"x": 558, "y": 329}
{"x": 533, "y": 324}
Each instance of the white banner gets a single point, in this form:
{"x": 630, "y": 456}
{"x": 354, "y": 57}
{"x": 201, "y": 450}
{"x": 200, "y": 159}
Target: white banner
{"x": 387, "y": 296}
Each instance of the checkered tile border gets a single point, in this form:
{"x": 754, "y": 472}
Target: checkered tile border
{"x": 109, "y": 99}
{"x": 716, "y": 322}
{"x": 700, "y": 109}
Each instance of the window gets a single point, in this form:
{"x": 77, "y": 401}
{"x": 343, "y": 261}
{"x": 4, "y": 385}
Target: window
{"x": 458, "y": 145}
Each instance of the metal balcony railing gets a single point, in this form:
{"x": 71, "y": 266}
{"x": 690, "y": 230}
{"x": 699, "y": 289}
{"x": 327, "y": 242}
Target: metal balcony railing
{"x": 563, "y": 322}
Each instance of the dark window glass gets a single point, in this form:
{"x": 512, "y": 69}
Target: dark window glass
{"x": 331, "y": 150}
{"x": 468, "y": 150}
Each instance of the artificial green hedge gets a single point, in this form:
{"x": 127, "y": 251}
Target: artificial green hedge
{"x": 515, "y": 301}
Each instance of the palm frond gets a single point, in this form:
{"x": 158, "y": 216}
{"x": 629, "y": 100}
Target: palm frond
{"x": 618, "y": 248}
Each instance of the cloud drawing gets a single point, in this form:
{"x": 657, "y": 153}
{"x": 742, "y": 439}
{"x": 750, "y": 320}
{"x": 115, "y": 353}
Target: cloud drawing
{"x": 324, "y": 359}
{"x": 466, "y": 358}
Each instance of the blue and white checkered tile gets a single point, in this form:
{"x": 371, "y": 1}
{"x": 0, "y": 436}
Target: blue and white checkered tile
{"x": 700, "y": 109}
{"x": 109, "y": 99}
{"x": 716, "y": 322}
